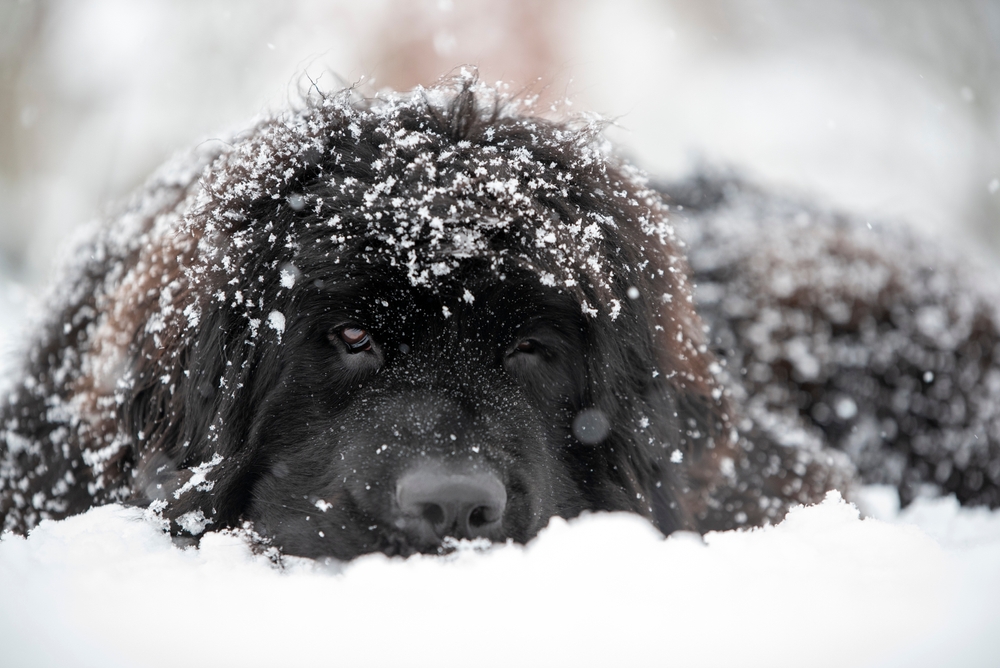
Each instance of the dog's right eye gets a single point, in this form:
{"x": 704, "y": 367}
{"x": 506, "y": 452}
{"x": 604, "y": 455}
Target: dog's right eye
{"x": 355, "y": 338}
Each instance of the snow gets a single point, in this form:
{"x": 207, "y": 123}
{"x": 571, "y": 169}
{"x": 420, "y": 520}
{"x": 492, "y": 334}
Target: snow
{"x": 277, "y": 321}
{"x": 823, "y": 588}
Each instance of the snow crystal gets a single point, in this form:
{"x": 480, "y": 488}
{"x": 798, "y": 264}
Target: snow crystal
{"x": 193, "y": 522}
{"x": 323, "y": 505}
{"x": 288, "y": 275}
{"x": 199, "y": 477}
{"x": 616, "y": 309}
{"x": 193, "y": 314}
{"x": 276, "y": 320}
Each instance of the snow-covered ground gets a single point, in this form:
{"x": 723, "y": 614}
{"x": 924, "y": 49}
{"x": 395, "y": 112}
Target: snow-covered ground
{"x": 823, "y": 588}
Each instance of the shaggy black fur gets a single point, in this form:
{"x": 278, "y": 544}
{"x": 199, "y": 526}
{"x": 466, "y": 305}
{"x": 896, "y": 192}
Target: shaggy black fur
{"x": 868, "y": 338}
{"x": 366, "y": 293}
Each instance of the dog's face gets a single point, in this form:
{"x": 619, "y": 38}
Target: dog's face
{"x": 393, "y": 425}
{"x": 418, "y": 322}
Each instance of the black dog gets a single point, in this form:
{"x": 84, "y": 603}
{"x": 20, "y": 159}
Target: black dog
{"x": 375, "y": 324}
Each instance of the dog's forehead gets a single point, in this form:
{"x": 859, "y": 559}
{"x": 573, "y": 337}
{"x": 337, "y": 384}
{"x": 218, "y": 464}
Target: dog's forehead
{"x": 477, "y": 299}
{"x": 338, "y": 192}
{"x": 431, "y": 212}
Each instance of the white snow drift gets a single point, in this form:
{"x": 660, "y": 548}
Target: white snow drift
{"x": 823, "y": 588}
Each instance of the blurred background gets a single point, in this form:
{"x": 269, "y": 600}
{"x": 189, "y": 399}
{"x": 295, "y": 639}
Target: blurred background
{"x": 889, "y": 108}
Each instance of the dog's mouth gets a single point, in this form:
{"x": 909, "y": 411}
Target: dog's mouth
{"x": 396, "y": 544}
{"x": 436, "y": 507}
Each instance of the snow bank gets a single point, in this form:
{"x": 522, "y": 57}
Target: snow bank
{"x": 823, "y": 588}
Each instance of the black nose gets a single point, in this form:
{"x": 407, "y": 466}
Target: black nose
{"x": 436, "y": 503}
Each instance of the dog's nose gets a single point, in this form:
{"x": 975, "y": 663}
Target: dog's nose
{"x": 438, "y": 503}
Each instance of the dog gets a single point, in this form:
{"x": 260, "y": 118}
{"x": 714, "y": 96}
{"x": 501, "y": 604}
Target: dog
{"x": 385, "y": 324}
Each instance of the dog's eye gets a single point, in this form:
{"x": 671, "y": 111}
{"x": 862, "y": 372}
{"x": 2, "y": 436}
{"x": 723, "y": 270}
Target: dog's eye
{"x": 526, "y": 346}
{"x": 356, "y": 339}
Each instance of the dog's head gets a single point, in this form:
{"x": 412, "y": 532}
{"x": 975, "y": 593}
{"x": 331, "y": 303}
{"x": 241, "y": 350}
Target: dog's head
{"x": 402, "y": 319}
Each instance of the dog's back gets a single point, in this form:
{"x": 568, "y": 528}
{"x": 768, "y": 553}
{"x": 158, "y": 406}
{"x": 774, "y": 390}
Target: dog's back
{"x": 870, "y": 338}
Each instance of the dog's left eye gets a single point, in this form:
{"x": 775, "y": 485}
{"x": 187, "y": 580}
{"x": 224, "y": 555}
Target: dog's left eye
{"x": 355, "y": 338}
{"x": 526, "y": 346}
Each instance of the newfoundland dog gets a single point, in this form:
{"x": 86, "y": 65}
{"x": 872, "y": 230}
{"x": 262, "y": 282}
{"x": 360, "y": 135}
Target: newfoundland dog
{"x": 386, "y": 324}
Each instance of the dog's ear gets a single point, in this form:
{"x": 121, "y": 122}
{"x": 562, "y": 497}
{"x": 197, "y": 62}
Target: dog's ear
{"x": 186, "y": 407}
{"x": 718, "y": 484}
{"x": 650, "y": 369}
{"x": 697, "y": 450}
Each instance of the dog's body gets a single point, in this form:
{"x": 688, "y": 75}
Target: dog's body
{"x": 376, "y": 324}
{"x": 866, "y": 338}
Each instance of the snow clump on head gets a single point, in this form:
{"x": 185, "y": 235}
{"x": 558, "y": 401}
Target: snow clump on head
{"x": 422, "y": 182}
